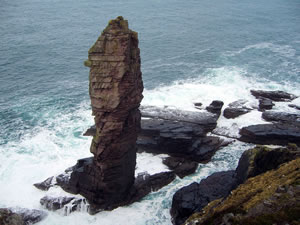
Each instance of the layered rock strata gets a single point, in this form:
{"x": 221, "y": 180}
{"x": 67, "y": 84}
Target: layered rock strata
{"x": 116, "y": 92}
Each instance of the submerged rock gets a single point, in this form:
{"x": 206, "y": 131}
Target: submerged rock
{"x": 236, "y": 109}
{"x": 277, "y": 96}
{"x": 194, "y": 197}
{"x": 20, "y": 216}
{"x": 277, "y": 134}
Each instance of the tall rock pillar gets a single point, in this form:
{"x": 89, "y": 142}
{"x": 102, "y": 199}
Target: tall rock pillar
{"x": 116, "y": 92}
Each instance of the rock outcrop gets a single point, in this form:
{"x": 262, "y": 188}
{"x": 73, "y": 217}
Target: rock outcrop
{"x": 270, "y": 198}
{"x": 20, "y": 216}
{"x": 236, "y": 109}
{"x": 116, "y": 92}
{"x": 277, "y": 96}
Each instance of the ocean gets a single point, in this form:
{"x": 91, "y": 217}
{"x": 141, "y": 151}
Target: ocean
{"x": 191, "y": 51}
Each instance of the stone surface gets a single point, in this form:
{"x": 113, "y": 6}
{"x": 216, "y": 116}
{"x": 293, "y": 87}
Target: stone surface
{"x": 260, "y": 159}
{"x": 294, "y": 106}
{"x": 278, "y": 96}
{"x": 178, "y": 139}
{"x": 115, "y": 90}
{"x": 180, "y": 166}
{"x": 194, "y": 197}
{"x": 278, "y": 134}
{"x": 270, "y": 198}
{"x": 215, "y": 107}
{"x": 20, "y": 216}
{"x": 265, "y": 104}
{"x": 70, "y": 204}
{"x": 282, "y": 117}
{"x": 46, "y": 184}
{"x": 236, "y": 109}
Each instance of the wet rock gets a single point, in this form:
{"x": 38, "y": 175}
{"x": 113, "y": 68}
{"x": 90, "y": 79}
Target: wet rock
{"x": 70, "y": 204}
{"x": 180, "y": 166}
{"x": 46, "y": 184}
{"x": 260, "y": 159}
{"x": 20, "y": 216}
{"x": 198, "y": 105}
{"x": 294, "y": 106}
{"x": 277, "y": 134}
{"x": 265, "y": 104}
{"x": 178, "y": 139}
{"x": 194, "y": 197}
{"x": 207, "y": 120}
{"x": 282, "y": 117}
{"x": 215, "y": 107}
{"x": 277, "y": 96}
{"x": 236, "y": 109}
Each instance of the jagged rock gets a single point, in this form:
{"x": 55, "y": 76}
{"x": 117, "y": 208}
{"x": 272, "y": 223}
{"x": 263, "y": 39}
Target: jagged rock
{"x": 70, "y": 204}
{"x": 236, "y": 109}
{"x": 115, "y": 90}
{"x": 261, "y": 159}
{"x": 180, "y": 166}
{"x": 282, "y": 117}
{"x": 194, "y": 197}
{"x": 277, "y": 96}
{"x": 270, "y": 198}
{"x": 215, "y": 107}
{"x": 265, "y": 104}
{"x": 20, "y": 216}
{"x": 278, "y": 134}
{"x": 178, "y": 139}
{"x": 46, "y": 184}
{"x": 91, "y": 131}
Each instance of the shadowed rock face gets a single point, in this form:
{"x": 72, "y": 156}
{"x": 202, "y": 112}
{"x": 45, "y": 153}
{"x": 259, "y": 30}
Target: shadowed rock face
{"x": 116, "y": 92}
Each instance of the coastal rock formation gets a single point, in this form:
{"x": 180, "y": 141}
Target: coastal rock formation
{"x": 236, "y": 109}
{"x": 215, "y": 107}
{"x": 277, "y": 96}
{"x": 278, "y": 134}
{"x": 20, "y": 216}
{"x": 265, "y": 104}
{"x": 194, "y": 197}
{"x": 116, "y": 92}
{"x": 270, "y": 198}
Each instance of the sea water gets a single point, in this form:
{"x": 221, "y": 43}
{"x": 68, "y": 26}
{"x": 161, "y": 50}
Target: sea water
{"x": 192, "y": 51}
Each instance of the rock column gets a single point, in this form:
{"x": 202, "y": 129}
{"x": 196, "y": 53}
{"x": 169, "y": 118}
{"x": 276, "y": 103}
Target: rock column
{"x": 116, "y": 92}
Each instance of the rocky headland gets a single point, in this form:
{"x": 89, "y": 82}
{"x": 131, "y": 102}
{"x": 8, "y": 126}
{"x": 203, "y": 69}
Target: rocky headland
{"x": 124, "y": 129}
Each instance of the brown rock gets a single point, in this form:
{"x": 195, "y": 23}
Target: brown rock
{"x": 116, "y": 92}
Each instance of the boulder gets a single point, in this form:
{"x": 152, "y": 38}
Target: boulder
{"x": 265, "y": 104}
{"x": 215, "y": 107}
{"x": 20, "y": 216}
{"x": 46, "y": 184}
{"x": 194, "y": 197}
{"x": 180, "y": 166}
{"x": 277, "y": 96}
{"x": 277, "y": 134}
{"x": 294, "y": 106}
{"x": 236, "y": 109}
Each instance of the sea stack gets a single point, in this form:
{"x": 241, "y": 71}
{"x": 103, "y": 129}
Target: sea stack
{"x": 115, "y": 90}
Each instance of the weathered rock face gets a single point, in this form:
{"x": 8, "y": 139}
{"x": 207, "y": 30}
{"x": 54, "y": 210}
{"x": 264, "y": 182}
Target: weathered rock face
{"x": 116, "y": 92}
